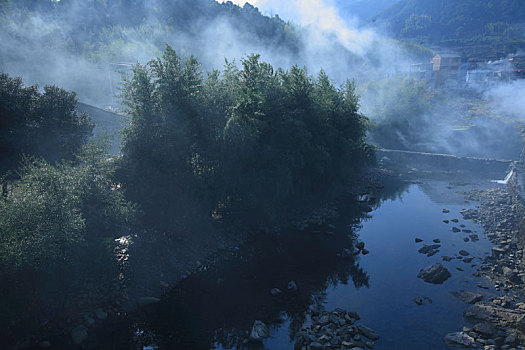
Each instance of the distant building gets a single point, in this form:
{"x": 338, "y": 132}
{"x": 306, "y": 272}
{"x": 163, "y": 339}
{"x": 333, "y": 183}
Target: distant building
{"x": 446, "y": 68}
{"x": 518, "y": 66}
{"x": 446, "y": 62}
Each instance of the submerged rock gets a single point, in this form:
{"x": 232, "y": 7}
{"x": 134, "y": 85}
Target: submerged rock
{"x": 101, "y": 314}
{"x": 367, "y": 332}
{"x": 464, "y": 253}
{"x": 435, "y": 274}
{"x": 79, "y": 334}
{"x": 429, "y": 250}
{"x": 275, "y": 291}
{"x": 467, "y": 297}
{"x": 259, "y": 331}
{"x": 459, "y": 339}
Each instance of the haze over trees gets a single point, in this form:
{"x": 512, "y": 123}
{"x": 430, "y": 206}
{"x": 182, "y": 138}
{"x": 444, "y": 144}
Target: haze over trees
{"x": 482, "y": 29}
{"x": 250, "y": 137}
{"x": 39, "y": 124}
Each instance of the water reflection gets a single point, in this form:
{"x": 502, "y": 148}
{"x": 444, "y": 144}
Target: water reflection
{"x": 217, "y": 307}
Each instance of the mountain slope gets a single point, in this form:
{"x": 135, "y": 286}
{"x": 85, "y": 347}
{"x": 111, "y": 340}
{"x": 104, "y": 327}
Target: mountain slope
{"x": 474, "y": 28}
{"x": 362, "y": 9}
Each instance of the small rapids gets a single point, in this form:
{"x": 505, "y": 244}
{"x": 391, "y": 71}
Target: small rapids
{"x": 506, "y": 180}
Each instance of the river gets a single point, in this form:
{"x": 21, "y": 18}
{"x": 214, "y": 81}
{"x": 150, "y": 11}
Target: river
{"x": 216, "y": 308}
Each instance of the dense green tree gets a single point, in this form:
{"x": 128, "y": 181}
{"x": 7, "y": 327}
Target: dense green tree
{"x": 247, "y": 138}
{"x": 53, "y": 212}
{"x": 41, "y": 124}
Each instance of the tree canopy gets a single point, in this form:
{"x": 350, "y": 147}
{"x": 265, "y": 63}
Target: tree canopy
{"x": 246, "y": 137}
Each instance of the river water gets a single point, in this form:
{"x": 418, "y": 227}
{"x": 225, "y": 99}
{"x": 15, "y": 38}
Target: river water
{"x": 217, "y": 307}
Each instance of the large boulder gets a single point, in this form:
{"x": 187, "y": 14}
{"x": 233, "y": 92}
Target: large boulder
{"x": 459, "y": 340}
{"x": 435, "y": 274}
{"x": 495, "y": 314}
{"x": 259, "y": 331}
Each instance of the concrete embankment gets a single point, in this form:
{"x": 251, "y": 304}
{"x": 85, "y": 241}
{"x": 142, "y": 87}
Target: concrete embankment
{"x": 432, "y": 162}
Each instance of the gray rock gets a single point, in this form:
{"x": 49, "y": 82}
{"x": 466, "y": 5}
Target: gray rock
{"x": 510, "y": 339}
{"x": 316, "y": 346}
{"x": 367, "y": 332}
{"x": 259, "y": 331}
{"x": 365, "y": 251}
{"x": 464, "y": 253}
{"x": 275, "y": 291}
{"x": 437, "y": 240}
{"x": 435, "y": 274}
{"x": 485, "y": 329}
{"x": 292, "y": 285}
{"x": 467, "y": 297}
{"x": 100, "y": 314}
{"x": 497, "y": 252}
{"x": 418, "y": 300}
{"x": 360, "y": 245}
{"x": 459, "y": 339}
{"x": 418, "y": 240}
{"x": 324, "y": 320}
{"x": 455, "y": 229}
{"x": 429, "y": 250}
{"x": 79, "y": 334}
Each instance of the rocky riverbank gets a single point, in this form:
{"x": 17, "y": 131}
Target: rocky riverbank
{"x": 336, "y": 329}
{"x": 498, "y": 323}
{"x": 152, "y": 263}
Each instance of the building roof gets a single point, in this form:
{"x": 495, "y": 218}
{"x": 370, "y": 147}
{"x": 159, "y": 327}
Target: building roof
{"x": 449, "y": 55}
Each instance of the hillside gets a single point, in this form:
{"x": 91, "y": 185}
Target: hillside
{"x": 477, "y": 29}
{"x": 70, "y": 43}
{"x": 362, "y": 9}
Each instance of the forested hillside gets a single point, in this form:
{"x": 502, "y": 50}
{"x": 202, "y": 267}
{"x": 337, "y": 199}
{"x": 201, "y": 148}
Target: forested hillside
{"x": 363, "y": 9}
{"x": 76, "y": 44}
{"x": 485, "y": 29}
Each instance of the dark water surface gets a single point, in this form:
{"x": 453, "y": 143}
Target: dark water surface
{"x": 216, "y": 308}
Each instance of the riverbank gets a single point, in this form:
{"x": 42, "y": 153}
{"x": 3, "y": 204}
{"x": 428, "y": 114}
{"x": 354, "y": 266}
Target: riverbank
{"x": 498, "y": 323}
{"x": 152, "y": 263}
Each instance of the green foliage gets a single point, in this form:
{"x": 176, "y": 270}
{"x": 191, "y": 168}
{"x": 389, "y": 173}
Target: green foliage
{"x": 52, "y": 212}
{"x": 416, "y": 24}
{"x": 248, "y": 137}
{"x": 489, "y": 28}
{"x": 39, "y": 124}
